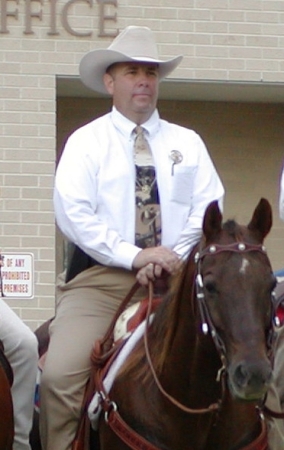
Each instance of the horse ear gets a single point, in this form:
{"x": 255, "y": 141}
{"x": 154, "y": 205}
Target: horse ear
{"x": 261, "y": 221}
{"x": 212, "y": 221}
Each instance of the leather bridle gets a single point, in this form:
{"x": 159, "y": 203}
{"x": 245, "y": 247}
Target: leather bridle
{"x": 207, "y": 325}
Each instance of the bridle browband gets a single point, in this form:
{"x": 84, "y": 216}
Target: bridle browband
{"x": 237, "y": 247}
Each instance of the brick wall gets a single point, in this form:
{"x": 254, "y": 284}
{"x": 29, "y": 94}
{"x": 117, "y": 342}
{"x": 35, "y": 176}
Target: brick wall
{"x": 224, "y": 40}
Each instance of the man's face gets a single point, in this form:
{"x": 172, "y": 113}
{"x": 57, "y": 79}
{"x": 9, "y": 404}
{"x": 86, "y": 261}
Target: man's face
{"x": 134, "y": 88}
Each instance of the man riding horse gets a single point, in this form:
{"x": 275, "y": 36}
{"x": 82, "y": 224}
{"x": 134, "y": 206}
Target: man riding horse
{"x": 130, "y": 193}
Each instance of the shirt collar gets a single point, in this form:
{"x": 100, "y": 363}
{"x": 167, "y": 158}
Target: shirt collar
{"x": 126, "y": 126}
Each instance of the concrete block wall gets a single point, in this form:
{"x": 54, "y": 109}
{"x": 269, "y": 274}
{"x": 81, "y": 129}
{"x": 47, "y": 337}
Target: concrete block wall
{"x": 224, "y": 40}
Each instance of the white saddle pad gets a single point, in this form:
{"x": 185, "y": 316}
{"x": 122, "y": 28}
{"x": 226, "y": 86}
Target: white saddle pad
{"x": 94, "y": 408}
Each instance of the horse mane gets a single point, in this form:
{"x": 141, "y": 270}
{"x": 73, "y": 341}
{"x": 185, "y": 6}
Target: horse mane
{"x": 167, "y": 316}
{"x": 136, "y": 364}
{"x": 163, "y": 329}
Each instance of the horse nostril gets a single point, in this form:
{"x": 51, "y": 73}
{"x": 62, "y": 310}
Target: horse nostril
{"x": 254, "y": 376}
{"x": 241, "y": 375}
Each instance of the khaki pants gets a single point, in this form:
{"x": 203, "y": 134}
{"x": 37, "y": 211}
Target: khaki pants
{"x": 85, "y": 307}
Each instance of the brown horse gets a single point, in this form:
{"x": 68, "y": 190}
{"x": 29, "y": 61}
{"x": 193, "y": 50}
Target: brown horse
{"x": 6, "y": 405}
{"x": 197, "y": 378}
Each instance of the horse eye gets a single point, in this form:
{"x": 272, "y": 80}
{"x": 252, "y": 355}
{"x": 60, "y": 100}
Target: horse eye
{"x": 210, "y": 287}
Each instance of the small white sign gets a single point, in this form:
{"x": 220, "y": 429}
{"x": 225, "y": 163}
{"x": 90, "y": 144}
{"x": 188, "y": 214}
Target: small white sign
{"x": 16, "y": 275}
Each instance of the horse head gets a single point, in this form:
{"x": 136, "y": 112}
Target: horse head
{"x": 235, "y": 285}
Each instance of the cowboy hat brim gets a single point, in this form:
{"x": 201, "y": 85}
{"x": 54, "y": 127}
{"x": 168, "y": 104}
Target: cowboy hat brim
{"x": 95, "y": 63}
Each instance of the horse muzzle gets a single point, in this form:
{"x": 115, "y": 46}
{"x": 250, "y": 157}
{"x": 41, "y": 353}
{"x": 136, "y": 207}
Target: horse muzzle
{"x": 249, "y": 381}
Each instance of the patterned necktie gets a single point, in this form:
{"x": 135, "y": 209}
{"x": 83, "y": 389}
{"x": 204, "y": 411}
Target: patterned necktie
{"x": 148, "y": 223}
{"x": 142, "y": 151}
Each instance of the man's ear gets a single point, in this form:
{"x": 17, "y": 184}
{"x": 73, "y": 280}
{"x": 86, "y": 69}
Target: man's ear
{"x": 108, "y": 82}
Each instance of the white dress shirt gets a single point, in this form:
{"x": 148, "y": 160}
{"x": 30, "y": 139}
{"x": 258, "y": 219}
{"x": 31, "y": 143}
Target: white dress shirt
{"x": 94, "y": 195}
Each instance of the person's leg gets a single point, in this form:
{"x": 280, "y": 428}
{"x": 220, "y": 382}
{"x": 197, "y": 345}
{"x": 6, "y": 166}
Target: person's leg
{"x": 21, "y": 350}
{"x": 85, "y": 307}
{"x": 275, "y": 395}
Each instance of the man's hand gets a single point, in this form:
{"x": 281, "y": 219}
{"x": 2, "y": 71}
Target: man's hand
{"x": 152, "y": 262}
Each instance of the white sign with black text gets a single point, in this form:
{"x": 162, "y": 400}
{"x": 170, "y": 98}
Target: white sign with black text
{"x": 17, "y": 275}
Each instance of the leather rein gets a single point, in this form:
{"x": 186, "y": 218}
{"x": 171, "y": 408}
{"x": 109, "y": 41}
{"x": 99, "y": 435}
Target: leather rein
{"x": 112, "y": 416}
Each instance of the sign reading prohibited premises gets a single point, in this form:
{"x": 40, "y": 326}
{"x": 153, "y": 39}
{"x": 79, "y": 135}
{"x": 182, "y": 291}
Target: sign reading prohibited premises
{"x": 16, "y": 275}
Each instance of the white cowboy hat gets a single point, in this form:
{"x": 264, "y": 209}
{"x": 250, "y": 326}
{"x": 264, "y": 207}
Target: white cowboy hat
{"x": 132, "y": 44}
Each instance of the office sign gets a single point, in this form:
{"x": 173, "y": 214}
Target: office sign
{"x": 53, "y": 16}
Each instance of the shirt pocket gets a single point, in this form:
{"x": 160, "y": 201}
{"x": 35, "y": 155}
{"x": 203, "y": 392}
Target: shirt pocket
{"x": 182, "y": 182}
